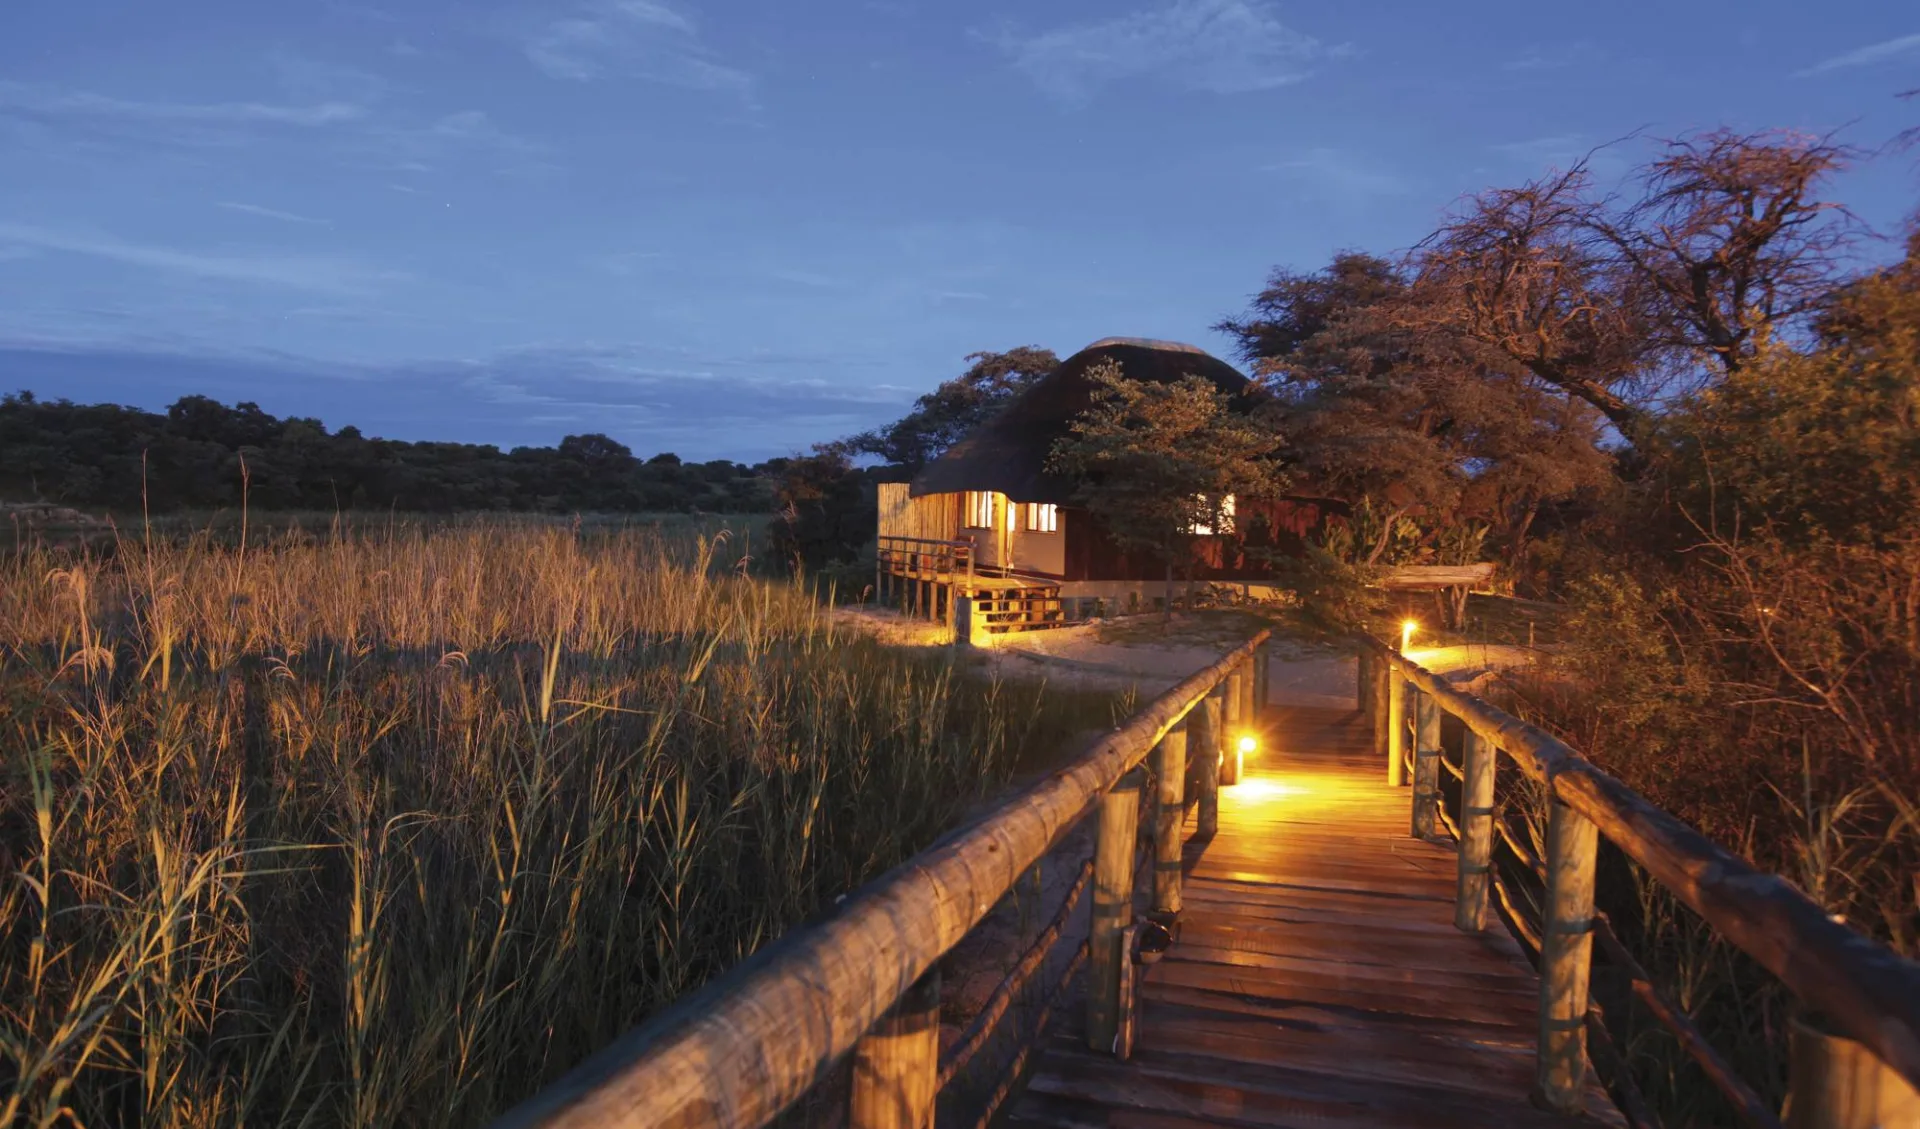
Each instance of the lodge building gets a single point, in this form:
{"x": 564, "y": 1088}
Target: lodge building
{"x": 988, "y": 520}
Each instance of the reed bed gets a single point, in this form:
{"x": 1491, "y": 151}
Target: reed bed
{"x": 390, "y": 828}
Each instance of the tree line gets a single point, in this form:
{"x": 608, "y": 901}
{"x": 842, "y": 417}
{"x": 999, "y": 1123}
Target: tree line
{"x": 201, "y": 454}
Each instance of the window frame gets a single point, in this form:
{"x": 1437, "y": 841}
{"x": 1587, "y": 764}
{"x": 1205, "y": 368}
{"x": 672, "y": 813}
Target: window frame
{"x": 1221, "y": 523}
{"x": 979, "y": 504}
{"x": 1042, "y": 517}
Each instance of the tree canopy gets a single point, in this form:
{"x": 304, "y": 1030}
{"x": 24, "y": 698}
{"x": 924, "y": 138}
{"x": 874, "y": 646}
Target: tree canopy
{"x": 941, "y": 417}
{"x": 104, "y": 456}
{"x": 1156, "y": 461}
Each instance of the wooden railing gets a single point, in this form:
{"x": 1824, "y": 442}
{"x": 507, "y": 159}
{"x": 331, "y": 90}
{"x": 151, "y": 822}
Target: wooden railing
{"x": 912, "y": 571}
{"x": 1862, "y": 989}
{"x": 864, "y": 982}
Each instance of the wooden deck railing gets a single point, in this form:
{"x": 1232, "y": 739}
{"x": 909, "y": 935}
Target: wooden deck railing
{"x": 912, "y": 571}
{"x": 1862, "y": 989}
{"x": 864, "y": 982}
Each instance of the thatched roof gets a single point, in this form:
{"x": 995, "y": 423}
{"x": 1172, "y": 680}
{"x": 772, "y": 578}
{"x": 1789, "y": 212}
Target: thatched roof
{"x": 1008, "y": 453}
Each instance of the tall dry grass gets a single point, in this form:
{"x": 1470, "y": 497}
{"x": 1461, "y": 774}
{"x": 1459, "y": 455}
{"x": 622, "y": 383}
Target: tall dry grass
{"x": 388, "y": 829}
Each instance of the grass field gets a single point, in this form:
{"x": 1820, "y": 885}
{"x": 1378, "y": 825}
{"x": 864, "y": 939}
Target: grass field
{"x": 386, "y": 827}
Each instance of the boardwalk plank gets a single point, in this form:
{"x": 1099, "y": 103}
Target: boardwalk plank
{"x": 1317, "y": 979}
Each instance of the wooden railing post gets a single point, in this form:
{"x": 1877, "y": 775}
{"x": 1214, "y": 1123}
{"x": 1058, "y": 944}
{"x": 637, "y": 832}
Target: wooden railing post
{"x": 1835, "y": 1083}
{"x": 1169, "y": 814}
{"x": 1203, "y": 749}
{"x": 1113, "y": 846}
{"x": 1262, "y": 667}
{"x": 1566, "y": 956}
{"x": 1479, "y": 758}
{"x": 896, "y": 1064}
{"x": 1426, "y": 766}
{"x": 1236, "y": 723}
{"x": 1396, "y": 729}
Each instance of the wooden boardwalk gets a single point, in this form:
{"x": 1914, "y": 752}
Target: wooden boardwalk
{"x": 1318, "y": 979}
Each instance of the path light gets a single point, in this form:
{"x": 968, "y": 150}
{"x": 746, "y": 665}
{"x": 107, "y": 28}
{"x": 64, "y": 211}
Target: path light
{"x": 1241, "y": 752}
{"x": 1406, "y": 633}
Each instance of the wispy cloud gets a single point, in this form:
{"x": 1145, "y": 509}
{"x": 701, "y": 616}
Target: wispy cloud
{"x": 1220, "y": 46}
{"x": 1332, "y": 172}
{"x": 644, "y": 39}
{"x": 331, "y": 274}
{"x": 1552, "y": 57}
{"x": 350, "y": 125}
{"x": 267, "y": 213}
{"x": 1866, "y": 56}
{"x": 36, "y": 101}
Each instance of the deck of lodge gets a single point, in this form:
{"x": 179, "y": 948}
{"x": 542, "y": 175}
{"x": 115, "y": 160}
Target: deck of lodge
{"x": 923, "y": 577}
{"x": 1318, "y": 978}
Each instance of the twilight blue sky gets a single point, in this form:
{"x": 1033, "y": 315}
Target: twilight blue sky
{"x": 735, "y": 227}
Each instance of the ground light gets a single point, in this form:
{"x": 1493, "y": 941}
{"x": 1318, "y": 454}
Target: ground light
{"x": 1241, "y": 750}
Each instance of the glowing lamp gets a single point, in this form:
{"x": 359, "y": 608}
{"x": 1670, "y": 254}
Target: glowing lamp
{"x": 1406, "y": 633}
{"x": 1247, "y": 745}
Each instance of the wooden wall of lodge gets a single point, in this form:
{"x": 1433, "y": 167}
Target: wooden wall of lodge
{"x": 935, "y": 517}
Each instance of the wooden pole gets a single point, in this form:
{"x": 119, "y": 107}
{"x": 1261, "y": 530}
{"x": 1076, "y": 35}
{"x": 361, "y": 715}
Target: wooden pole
{"x": 1236, "y": 724}
{"x": 1479, "y": 758}
{"x": 1396, "y": 730}
{"x": 1835, "y": 1083}
{"x": 963, "y": 621}
{"x": 1170, "y": 773}
{"x": 1262, "y": 667}
{"x": 1426, "y": 767}
{"x": 896, "y": 1064}
{"x": 1566, "y": 957}
{"x": 1382, "y": 675}
{"x": 1363, "y": 683}
{"x": 1112, "y": 908}
{"x": 1203, "y": 747}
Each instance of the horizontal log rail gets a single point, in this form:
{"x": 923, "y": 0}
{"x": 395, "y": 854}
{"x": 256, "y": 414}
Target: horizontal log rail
{"x": 737, "y": 1052}
{"x": 1866, "y": 991}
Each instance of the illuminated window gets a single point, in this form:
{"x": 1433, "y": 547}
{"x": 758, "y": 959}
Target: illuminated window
{"x": 1222, "y": 516}
{"x": 980, "y": 509}
{"x": 1043, "y": 517}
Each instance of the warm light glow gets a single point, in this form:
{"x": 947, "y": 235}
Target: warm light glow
{"x": 1248, "y": 744}
{"x": 1406, "y": 633}
{"x": 1264, "y": 788}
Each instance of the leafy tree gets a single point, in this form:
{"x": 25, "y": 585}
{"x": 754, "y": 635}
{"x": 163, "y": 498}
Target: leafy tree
{"x": 941, "y": 417}
{"x": 1154, "y": 461}
{"x": 1418, "y": 430}
{"x": 825, "y": 513}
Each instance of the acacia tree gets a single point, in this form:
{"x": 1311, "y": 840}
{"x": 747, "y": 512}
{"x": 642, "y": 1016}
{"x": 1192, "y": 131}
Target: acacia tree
{"x": 1730, "y": 243}
{"x": 1727, "y": 246}
{"x": 941, "y": 417}
{"x": 1154, "y": 461}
